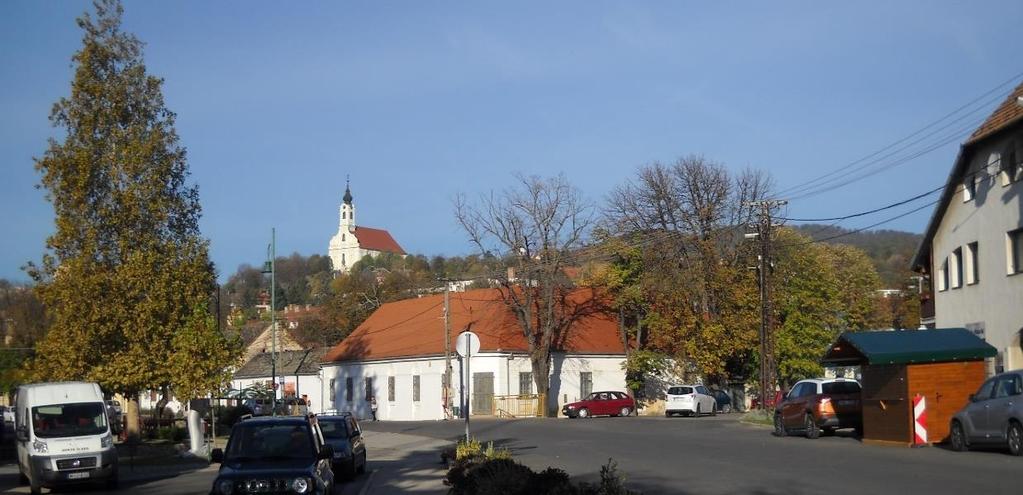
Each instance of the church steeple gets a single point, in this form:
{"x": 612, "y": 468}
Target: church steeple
{"x": 347, "y": 198}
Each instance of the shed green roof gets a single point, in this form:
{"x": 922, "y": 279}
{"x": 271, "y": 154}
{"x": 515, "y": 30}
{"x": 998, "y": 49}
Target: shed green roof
{"x": 908, "y": 347}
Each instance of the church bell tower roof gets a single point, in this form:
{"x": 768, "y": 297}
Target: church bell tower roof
{"x": 347, "y": 198}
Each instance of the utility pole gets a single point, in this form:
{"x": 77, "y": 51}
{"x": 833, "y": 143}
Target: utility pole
{"x": 763, "y": 235}
{"x": 269, "y": 267}
{"x": 447, "y": 349}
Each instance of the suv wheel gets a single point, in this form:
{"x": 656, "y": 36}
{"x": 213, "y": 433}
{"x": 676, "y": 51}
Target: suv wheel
{"x": 958, "y": 437}
{"x": 779, "y": 426}
{"x": 1015, "y": 438}
{"x": 812, "y": 431}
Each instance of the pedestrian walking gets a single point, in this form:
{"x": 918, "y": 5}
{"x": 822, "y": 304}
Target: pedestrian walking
{"x": 373, "y": 407}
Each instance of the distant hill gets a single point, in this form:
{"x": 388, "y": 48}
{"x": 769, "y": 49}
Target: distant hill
{"x": 891, "y": 250}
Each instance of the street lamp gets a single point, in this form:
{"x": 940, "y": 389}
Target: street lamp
{"x": 268, "y": 267}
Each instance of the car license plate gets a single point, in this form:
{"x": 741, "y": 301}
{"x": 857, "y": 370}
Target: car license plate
{"x": 78, "y": 476}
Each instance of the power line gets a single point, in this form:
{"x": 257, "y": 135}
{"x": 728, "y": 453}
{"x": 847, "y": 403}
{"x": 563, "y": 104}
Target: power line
{"x": 970, "y": 103}
{"x": 864, "y": 213}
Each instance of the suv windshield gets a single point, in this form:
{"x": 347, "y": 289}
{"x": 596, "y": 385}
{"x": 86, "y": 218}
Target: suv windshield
{"x": 680, "y": 390}
{"x": 263, "y": 441}
{"x": 841, "y": 388}
{"x": 334, "y": 429}
{"x": 69, "y": 420}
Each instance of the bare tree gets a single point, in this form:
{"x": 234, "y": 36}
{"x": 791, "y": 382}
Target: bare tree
{"x": 689, "y": 218}
{"x": 537, "y": 225}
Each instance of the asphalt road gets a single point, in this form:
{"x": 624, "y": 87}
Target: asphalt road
{"x": 721, "y": 455}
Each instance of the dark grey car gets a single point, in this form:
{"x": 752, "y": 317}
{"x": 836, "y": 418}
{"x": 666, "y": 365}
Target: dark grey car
{"x": 343, "y": 433}
{"x": 993, "y": 416}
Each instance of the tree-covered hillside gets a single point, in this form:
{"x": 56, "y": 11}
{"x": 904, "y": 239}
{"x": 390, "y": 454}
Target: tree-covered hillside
{"x": 890, "y": 250}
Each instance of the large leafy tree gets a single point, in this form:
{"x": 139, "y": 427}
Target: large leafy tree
{"x": 126, "y": 276}
{"x": 821, "y": 290}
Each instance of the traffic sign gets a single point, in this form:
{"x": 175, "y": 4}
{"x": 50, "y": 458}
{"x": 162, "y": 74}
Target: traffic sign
{"x": 467, "y": 342}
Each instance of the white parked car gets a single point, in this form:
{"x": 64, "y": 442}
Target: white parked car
{"x": 689, "y": 400}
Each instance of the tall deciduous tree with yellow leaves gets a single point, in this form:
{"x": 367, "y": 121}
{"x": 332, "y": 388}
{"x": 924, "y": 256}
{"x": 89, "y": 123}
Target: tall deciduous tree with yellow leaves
{"x": 126, "y": 275}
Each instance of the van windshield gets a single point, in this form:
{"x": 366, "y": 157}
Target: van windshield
{"x": 69, "y": 420}
{"x": 275, "y": 441}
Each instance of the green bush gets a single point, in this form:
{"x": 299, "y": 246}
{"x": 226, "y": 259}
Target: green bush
{"x": 172, "y": 433}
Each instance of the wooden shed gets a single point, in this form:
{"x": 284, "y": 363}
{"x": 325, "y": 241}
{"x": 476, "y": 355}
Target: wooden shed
{"x": 944, "y": 365}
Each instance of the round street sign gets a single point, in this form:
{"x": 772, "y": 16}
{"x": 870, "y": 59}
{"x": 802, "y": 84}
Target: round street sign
{"x": 470, "y": 339}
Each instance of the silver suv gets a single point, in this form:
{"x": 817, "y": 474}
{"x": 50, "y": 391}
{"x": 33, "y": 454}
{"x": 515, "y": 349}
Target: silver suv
{"x": 993, "y": 416}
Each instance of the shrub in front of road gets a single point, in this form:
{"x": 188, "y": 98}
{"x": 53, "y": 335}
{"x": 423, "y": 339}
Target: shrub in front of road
{"x": 503, "y": 476}
{"x": 172, "y": 433}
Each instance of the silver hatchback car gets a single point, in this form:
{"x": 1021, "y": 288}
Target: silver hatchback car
{"x": 993, "y": 417}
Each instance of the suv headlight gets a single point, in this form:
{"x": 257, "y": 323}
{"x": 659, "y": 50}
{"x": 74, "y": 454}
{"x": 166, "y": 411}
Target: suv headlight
{"x": 225, "y": 487}
{"x": 300, "y": 485}
{"x": 106, "y": 441}
{"x": 40, "y": 447}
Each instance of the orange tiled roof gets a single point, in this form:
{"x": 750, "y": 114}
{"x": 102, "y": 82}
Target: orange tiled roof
{"x": 415, "y": 327}
{"x": 1006, "y": 113}
{"x": 377, "y": 240}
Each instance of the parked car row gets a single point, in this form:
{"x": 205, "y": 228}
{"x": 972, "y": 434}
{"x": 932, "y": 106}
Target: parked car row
{"x": 290, "y": 454}
{"x": 689, "y": 400}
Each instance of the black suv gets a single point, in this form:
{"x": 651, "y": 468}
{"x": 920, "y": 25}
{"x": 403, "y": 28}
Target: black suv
{"x": 342, "y": 432}
{"x": 284, "y": 454}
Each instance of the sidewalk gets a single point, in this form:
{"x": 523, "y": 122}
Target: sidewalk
{"x": 400, "y": 463}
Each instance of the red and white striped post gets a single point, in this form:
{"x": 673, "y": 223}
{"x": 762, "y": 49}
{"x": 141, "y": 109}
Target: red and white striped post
{"x": 919, "y": 421}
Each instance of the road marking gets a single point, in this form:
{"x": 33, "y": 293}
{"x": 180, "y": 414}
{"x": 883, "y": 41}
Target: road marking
{"x": 369, "y": 481}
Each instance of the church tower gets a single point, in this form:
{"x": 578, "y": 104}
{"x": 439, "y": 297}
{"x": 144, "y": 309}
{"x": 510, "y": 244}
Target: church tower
{"x": 344, "y": 247}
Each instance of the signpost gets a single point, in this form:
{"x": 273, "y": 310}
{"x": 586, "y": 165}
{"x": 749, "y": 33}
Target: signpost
{"x": 468, "y": 343}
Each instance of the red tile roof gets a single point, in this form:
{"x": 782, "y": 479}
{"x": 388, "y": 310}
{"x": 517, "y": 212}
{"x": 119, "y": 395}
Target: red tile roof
{"x": 1006, "y": 113}
{"x": 377, "y": 240}
{"x": 415, "y": 327}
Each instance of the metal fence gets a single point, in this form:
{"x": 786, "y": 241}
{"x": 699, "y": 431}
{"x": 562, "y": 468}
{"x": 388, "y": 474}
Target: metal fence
{"x": 518, "y": 406}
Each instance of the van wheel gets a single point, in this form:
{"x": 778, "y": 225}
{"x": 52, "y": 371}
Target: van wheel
{"x": 34, "y": 487}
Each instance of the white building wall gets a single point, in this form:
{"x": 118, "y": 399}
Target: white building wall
{"x": 607, "y": 374}
{"x": 994, "y": 303}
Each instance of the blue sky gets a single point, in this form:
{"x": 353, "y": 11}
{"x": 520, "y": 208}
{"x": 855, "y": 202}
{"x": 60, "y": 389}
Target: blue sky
{"x": 419, "y": 101}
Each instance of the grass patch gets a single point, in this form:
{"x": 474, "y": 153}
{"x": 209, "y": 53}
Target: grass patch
{"x": 758, "y": 417}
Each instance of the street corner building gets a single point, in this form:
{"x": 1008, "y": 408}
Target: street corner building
{"x": 972, "y": 250}
{"x": 398, "y": 356}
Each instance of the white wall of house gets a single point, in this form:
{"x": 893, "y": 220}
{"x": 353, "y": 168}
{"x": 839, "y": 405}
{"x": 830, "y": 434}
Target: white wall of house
{"x": 605, "y": 372}
{"x": 993, "y": 305}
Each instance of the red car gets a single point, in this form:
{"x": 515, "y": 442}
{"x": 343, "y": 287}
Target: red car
{"x": 601, "y": 404}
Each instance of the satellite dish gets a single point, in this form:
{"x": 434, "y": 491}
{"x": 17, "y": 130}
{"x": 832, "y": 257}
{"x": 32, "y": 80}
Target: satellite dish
{"x": 467, "y": 342}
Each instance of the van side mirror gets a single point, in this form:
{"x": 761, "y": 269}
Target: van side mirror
{"x": 217, "y": 456}
{"x": 22, "y": 434}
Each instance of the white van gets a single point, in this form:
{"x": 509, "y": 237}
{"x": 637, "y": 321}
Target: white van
{"x": 63, "y": 435}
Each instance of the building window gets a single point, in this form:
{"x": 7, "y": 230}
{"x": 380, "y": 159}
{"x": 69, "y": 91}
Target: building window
{"x": 390, "y": 389}
{"x": 1014, "y": 251}
{"x": 333, "y": 394}
{"x": 348, "y": 389}
{"x": 969, "y": 187}
{"x": 943, "y": 276}
{"x": 342, "y": 238}
{"x": 415, "y": 388}
{"x": 369, "y": 388}
{"x": 957, "y": 268}
{"x": 585, "y": 384}
{"x": 972, "y": 263}
{"x": 1010, "y": 170}
{"x": 525, "y": 383}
